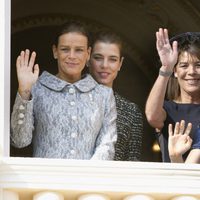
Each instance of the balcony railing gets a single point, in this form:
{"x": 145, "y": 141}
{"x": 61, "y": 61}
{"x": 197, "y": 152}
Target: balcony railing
{"x": 56, "y": 179}
{"x": 59, "y": 179}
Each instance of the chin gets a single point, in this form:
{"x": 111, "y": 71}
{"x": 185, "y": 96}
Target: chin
{"x": 105, "y": 82}
{"x": 101, "y": 81}
{"x": 194, "y": 92}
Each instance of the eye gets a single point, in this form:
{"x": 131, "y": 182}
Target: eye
{"x": 198, "y": 65}
{"x": 183, "y": 65}
{"x": 113, "y": 59}
{"x": 64, "y": 49}
{"x": 98, "y": 58}
{"x": 79, "y": 50}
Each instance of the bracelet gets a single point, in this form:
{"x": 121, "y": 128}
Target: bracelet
{"x": 165, "y": 74}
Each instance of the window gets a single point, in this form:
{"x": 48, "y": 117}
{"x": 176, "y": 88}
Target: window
{"x": 5, "y": 77}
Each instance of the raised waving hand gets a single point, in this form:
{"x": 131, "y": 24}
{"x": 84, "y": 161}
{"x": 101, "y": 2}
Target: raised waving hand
{"x": 27, "y": 72}
{"x": 179, "y": 140}
{"x": 168, "y": 54}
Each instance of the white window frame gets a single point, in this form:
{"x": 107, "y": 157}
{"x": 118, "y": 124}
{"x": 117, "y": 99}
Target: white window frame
{"x": 5, "y": 13}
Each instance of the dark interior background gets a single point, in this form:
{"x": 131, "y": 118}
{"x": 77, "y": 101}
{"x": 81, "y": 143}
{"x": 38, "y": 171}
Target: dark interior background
{"x": 33, "y": 24}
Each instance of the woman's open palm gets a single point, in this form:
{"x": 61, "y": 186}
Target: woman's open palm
{"x": 179, "y": 139}
{"x": 27, "y": 70}
{"x": 168, "y": 54}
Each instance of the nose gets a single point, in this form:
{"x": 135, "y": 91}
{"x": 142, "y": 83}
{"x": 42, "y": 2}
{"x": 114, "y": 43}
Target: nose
{"x": 72, "y": 54}
{"x": 192, "y": 69}
{"x": 104, "y": 63}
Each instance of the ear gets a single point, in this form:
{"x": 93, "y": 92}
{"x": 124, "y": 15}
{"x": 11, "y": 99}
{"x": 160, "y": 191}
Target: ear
{"x": 54, "y": 49}
{"x": 175, "y": 73}
{"x": 87, "y": 63}
{"x": 121, "y": 62}
{"x": 89, "y": 53}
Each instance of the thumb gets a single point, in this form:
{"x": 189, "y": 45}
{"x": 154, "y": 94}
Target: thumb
{"x": 36, "y": 70}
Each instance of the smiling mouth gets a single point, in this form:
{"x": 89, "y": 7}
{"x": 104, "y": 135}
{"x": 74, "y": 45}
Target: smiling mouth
{"x": 72, "y": 64}
{"x": 103, "y": 74}
{"x": 193, "y": 81}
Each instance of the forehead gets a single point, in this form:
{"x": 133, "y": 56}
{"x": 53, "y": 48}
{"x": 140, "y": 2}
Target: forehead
{"x": 187, "y": 57}
{"x": 73, "y": 38}
{"x": 105, "y": 48}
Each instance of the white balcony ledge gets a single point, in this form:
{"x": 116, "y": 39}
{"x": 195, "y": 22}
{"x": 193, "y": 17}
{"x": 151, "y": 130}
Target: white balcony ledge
{"x": 72, "y": 178}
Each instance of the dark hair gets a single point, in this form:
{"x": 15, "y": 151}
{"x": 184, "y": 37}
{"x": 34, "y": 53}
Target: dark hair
{"x": 189, "y": 42}
{"x": 110, "y": 37}
{"x": 70, "y": 27}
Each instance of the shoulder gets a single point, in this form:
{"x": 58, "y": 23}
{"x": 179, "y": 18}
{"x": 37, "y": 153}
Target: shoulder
{"x": 106, "y": 93}
{"x": 88, "y": 83}
{"x": 101, "y": 92}
{"x": 50, "y": 81}
{"x": 168, "y": 103}
{"x": 122, "y": 102}
{"x": 105, "y": 89}
{"x": 174, "y": 105}
{"x": 46, "y": 76}
{"x": 102, "y": 89}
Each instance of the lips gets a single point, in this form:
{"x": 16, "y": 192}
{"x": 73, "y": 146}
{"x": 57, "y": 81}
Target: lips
{"x": 71, "y": 64}
{"x": 193, "y": 81}
{"x": 103, "y": 74}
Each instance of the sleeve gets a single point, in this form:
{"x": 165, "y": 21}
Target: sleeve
{"x": 135, "y": 142}
{"x": 162, "y": 136}
{"x": 108, "y": 133}
{"x": 196, "y": 139}
{"x": 22, "y": 122}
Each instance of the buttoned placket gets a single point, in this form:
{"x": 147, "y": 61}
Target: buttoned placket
{"x": 74, "y": 118}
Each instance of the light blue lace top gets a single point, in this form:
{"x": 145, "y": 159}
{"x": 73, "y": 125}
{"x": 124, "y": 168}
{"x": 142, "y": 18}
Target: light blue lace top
{"x": 63, "y": 120}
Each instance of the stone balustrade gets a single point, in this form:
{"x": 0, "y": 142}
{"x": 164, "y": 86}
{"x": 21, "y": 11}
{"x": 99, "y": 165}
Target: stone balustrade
{"x": 59, "y": 179}
{"x": 10, "y": 195}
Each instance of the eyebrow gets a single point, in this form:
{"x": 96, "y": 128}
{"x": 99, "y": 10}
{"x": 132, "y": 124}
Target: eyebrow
{"x": 70, "y": 46}
{"x": 99, "y": 54}
{"x": 183, "y": 62}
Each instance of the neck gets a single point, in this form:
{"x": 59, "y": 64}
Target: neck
{"x": 193, "y": 99}
{"x": 110, "y": 85}
{"x": 69, "y": 79}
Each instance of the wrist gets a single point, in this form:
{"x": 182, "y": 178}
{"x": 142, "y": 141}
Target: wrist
{"x": 25, "y": 94}
{"x": 176, "y": 158}
{"x": 165, "y": 71}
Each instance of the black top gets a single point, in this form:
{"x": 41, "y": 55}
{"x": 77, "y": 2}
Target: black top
{"x": 129, "y": 130}
{"x": 175, "y": 113}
